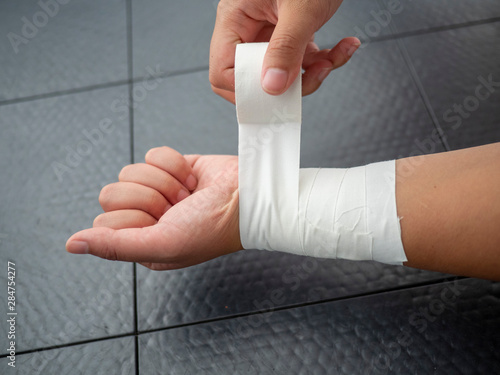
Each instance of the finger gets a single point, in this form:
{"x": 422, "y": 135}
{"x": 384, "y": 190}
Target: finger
{"x": 233, "y": 26}
{"x": 312, "y": 50}
{"x": 155, "y": 178}
{"x": 228, "y": 95}
{"x": 161, "y": 266}
{"x": 343, "y": 51}
{"x": 283, "y": 59}
{"x": 192, "y": 159}
{"x": 128, "y": 195}
{"x": 124, "y": 219}
{"x": 321, "y": 63}
{"x": 155, "y": 247}
{"x": 173, "y": 163}
{"x": 131, "y": 245}
{"x": 223, "y": 47}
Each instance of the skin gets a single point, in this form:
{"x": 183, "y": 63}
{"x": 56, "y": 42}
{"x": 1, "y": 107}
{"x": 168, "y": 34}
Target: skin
{"x": 450, "y": 209}
{"x": 146, "y": 222}
{"x": 289, "y": 27}
{"x": 448, "y": 203}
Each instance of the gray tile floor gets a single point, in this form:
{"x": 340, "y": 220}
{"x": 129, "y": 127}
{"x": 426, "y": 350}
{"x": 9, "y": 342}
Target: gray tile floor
{"x": 74, "y": 109}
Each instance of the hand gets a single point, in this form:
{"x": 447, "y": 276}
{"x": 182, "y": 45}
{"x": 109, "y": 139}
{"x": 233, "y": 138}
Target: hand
{"x": 289, "y": 27}
{"x": 153, "y": 218}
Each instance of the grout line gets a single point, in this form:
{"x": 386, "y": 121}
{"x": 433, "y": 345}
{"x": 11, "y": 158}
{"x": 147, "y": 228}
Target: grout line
{"x": 431, "y": 30}
{"x": 136, "y": 331}
{"x": 436, "y": 29}
{"x": 130, "y": 82}
{"x": 423, "y": 94}
{"x": 75, "y": 343}
{"x": 416, "y": 78}
{"x": 130, "y": 65}
{"x": 130, "y": 72}
{"x": 64, "y": 92}
{"x": 99, "y": 86}
{"x": 305, "y": 304}
{"x": 181, "y": 72}
{"x": 406, "y": 287}
{"x": 205, "y": 67}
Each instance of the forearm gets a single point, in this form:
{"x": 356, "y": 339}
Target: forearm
{"x": 449, "y": 205}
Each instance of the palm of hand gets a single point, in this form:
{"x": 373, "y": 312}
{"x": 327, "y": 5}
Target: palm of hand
{"x": 140, "y": 225}
{"x": 204, "y": 225}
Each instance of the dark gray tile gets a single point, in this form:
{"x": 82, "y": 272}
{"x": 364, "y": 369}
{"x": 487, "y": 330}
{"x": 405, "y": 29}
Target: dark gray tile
{"x": 172, "y": 35}
{"x": 360, "y": 18}
{"x": 415, "y": 15}
{"x": 176, "y": 36}
{"x": 183, "y": 112}
{"x": 114, "y": 356}
{"x": 369, "y": 111}
{"x": 455, "y": 67}
{"x": 77, "y": 44}
{"x": 255, "y": 280}
{"x": 448, "y": 328}
{"x": 55, "y": 155}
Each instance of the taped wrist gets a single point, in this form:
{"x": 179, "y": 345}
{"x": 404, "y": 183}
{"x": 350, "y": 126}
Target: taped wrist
{"x": 330, "y": 213}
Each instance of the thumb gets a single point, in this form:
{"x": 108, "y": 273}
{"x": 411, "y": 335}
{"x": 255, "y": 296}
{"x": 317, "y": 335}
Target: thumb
{"x": 283, "y": 59}
{"x": 131, "y": 245}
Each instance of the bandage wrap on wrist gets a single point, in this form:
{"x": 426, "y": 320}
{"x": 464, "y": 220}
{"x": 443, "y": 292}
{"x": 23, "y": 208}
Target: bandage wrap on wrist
{"x": 331, "y": 213}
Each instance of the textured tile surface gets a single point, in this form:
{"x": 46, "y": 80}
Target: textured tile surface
{"x": 357, "y": 18}
{"x": 183, "y": 112}
{"x": 171, "y": 34}
{"x": 449, "y": 328}
{"x": 56, "y": 155}
{"x": 340, "y": 128}
{"x": 254, "y": 281}
{"x": 176, "y": 36}
{"x": 455, "y": 73}
{"x": 367, "y": 111}
{"x": 68, "y": 46}
{"x": 98, "y": 358}
{"x": 415, "y": 15}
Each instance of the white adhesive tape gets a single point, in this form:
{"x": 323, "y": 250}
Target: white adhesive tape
{"x": 333, "y": 213}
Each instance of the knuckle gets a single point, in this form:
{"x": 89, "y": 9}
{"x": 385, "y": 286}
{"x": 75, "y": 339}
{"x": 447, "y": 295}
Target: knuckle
{"x": 129, "y": 172}
{"x": 154, "y": 267}
{"x": 177, "y": 163}
{"x": 284, "y": 45}
{"x": 213, "y": 77}
{"x": 217, "y": 81}
{"x": 109, "y": 253}
{"x": 157, "y": 152}
{"x": 125, "y": 171}
{"x": 106, "y": 194}
{"x": 153, "y": 200}
{"x": 98, "y": 221}
{"x": 151, "y": 153}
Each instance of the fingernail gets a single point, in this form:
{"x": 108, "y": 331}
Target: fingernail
{"x": 353, "y": 49}
{"x": 323, "y": 74}
{"x": 78, "y": 247}
{"x": 274, "y": 81}
{"x": 191, "y": 182}
{"x": 183, "y": 194}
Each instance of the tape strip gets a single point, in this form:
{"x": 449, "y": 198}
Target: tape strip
{"x": 333, "y": 213}
{"x": 266, "y": 124}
